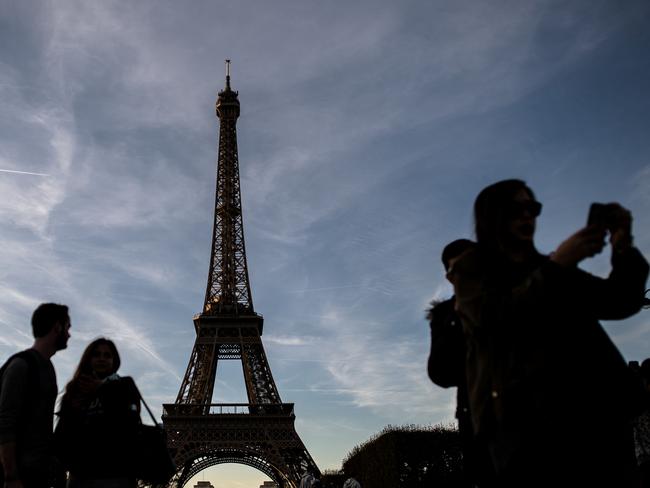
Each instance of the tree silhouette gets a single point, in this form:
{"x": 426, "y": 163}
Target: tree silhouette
{"x": 408, "y": 456}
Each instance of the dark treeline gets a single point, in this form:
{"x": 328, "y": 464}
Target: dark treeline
{"x": 407, "y": 456}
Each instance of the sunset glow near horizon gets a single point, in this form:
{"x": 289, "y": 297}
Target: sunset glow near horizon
{"x": 366, "y": 131}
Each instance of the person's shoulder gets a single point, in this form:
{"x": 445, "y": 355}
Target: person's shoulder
{"x": 15, "y": 366}
{"x": 440, "y": 307}
{"x": 119, "y": 381}
{"x": 442, "y": 314}
{"x": 127, "y": 384}
{"x": 19, "y": 368}
{"x": 119, "y": 387}
{"x": 21, "y": 360}
{"x": 444, "y": 306}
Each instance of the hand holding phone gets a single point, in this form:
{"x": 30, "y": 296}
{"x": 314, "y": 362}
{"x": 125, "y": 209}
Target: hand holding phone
{"x": 601, "y": 215}
{"x": 614, "y": 218}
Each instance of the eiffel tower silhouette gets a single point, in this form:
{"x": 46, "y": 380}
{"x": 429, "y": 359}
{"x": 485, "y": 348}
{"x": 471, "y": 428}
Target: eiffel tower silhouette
{"x": 260, "y": 433}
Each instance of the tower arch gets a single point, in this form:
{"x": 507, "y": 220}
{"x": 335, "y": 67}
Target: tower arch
{"x": 232, "y": 456}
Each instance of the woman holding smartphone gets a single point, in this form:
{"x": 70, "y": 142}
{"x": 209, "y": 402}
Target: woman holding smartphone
{"x": 98, "y": 418}
{"x": 549, "y": 392}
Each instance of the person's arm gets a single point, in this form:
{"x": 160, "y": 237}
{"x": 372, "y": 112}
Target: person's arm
{"x": 616, "y": 297}
{"x": 621, "y": 294}
{"x": 8, "y": 457}
{"x": 447, "y": 355}
{"x": 11, "y": 404}
{"x": 470, "y": 288}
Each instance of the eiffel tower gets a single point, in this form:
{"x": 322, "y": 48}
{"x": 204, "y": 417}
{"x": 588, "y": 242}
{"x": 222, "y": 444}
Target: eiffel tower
{"x": 260, "y": 433}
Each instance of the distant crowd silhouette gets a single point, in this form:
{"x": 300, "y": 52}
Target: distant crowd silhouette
{"x": 308, "y": 480}
{"x": 544, "y": 396}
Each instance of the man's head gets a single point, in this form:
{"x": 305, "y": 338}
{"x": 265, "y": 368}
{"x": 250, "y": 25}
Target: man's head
{"x": 52, "y": 320}
{"x": 452, "y": 252}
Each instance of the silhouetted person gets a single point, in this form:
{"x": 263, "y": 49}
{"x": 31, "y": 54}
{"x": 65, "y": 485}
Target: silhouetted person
{"x": 27, "y": 394}
{"x": 99, "y": 415}
{"x": 446, "y": 368}
{"x": 351, "y": 483}
{"x": 307, "y": 480}
{"x": 642, "y": 430}
{"x": 548, "y": 390}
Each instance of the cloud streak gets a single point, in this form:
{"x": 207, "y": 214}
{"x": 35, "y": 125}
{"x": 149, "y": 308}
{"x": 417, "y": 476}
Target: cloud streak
{"x": 22, "y": 172}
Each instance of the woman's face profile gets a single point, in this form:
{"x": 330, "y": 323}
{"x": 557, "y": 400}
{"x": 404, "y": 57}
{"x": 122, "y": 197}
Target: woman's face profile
{"x": 101, "y": 361}
{"x": 521, "y": 217}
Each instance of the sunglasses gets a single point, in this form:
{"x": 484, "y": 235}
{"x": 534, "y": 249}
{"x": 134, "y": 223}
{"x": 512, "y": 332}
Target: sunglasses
{"x": 530, "y": 207}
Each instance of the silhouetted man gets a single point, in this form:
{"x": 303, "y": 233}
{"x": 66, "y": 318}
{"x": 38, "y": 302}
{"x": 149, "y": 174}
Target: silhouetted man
{"x": 446, "y": 367}
{"x": 27, "y": 395}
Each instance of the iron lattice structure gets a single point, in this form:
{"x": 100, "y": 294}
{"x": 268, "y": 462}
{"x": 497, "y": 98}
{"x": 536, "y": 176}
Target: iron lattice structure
{"x": 260, "y": 433}
{"x": 228, "y": 288}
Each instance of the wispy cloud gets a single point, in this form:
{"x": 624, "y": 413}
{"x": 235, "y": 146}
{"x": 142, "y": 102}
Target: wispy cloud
{"x": 22, "y": 172}
{"x": 370, "y": 370}
{"x": 289, "y": 340}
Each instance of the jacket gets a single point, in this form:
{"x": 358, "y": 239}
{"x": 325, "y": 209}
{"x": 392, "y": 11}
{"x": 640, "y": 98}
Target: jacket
{"x": 539, "y": 365}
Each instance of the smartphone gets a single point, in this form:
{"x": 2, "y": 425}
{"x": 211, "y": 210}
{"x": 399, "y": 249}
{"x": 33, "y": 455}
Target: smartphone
{"x": 598, "y": 215}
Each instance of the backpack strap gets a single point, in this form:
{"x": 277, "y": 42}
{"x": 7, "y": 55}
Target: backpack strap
{"x": 146, "y": 406}
{"x": 149, "y": 410}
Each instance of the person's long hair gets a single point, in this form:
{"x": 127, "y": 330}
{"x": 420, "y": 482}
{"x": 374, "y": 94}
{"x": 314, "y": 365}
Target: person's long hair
{"x": 491, "y": 213}
{"x": 85, "y": 367}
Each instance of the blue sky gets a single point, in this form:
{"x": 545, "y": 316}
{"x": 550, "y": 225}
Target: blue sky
{"x": 367, "y": 128}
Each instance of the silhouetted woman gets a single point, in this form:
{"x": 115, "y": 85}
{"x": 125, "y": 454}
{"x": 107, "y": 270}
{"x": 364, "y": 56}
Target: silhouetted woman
{"x": 97, "y": 421}
{"x": 547, "y": 387}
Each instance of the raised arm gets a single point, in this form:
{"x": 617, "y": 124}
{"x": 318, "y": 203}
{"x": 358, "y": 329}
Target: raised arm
{"x": 621, "y": 294}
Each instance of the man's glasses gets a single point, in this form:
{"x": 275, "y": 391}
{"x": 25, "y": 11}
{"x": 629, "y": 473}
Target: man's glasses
{"x": 530, "y": 207}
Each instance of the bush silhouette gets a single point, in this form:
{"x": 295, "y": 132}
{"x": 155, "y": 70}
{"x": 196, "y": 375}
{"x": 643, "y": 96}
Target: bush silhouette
{"x": 408, "y": 456}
